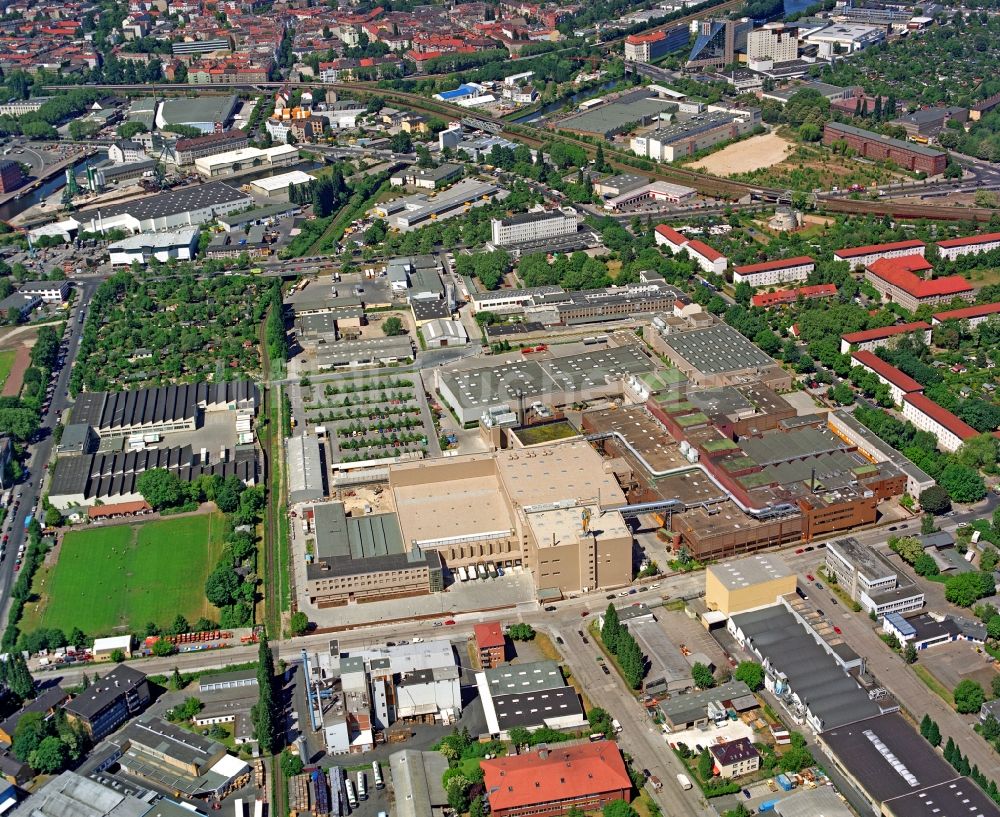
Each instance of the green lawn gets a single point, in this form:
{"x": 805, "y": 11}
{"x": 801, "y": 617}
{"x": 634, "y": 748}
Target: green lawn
{"x": 6, "y": 363}
{"x": 118, "y": 578}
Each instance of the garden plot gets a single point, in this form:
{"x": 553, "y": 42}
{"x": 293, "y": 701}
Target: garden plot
{"x": 368, "y": 419}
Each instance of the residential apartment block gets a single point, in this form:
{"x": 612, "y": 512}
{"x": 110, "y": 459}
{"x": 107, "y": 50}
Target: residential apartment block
{"x": 106, "y": 704}
{"x": 770, "y": 273}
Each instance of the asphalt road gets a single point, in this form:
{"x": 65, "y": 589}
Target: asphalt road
{"x": 29, "y": 491}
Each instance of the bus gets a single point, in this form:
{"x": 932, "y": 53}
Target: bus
{"x": 351, "y": 799}
{"x": 362, "y": 788}
{"x": 377, "y": 775}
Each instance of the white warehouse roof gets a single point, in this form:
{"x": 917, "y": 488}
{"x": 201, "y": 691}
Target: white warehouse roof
{"x": 116, "y": 642}
{"x": 156, "y": 241}
{"x": 282, "y": 180}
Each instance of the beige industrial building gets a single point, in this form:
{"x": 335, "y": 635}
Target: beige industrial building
{"x": 747, "y": 584}
{"x": 551, "y": 510}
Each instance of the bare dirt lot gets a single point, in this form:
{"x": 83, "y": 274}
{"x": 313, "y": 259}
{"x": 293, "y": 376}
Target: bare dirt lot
{"x": 750, "y": 154}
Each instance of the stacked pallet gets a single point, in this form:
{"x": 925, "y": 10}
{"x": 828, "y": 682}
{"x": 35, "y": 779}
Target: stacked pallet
{"x": 298, "y": 794}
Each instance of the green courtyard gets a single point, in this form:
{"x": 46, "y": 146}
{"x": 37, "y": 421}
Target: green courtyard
{"x": 118, "y": 578}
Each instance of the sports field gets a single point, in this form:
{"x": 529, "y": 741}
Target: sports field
{"x": 6, "y": 363}
{"x": 119, "y": 578}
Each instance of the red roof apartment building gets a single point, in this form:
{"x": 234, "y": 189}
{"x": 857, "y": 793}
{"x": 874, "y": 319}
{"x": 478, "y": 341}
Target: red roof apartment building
{"x": 863, "y": 256}
{"x": 952, "y": 248}
{"x": 899, "y": 384}
{"x": 790, "y": 296}
{"x": 973, "y": 315}
{"x": 897, "y": 280}
{"x": 769, "y": 273}
{"x": 927, "y": 415}
{"x": 490, "y": 644}
{"x": 871, "y": 339}
{"x": 549, "y": 782}
{"x": 883, "y": 148}
{"x": 708, "y": 259}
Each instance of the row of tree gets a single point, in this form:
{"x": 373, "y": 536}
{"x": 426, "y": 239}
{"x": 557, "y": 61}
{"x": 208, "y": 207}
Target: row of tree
{"x": 622, "y": 644}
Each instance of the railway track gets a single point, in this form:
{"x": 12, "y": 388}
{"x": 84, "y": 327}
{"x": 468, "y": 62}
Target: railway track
{"x": 702, "y": 182}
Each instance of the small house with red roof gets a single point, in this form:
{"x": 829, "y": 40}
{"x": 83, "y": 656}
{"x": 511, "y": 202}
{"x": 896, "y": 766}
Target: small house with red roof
{"x": 490, "y": 644}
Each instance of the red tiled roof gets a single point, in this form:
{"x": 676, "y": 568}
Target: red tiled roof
{"x": 783, "y": 263}
{"x": 885, "y": 332}
{"x": 671, "y": 234}
{"x": 967, "y": 312}
{"x": 702, "y": 248}
{"x": 969, "y": 240}
{"x": 787, "y": 296}
{"x": 560, "y": 774}
{"x": 887, "y": 370}
{"x": 900, "y": 272}
{"x": 489, "y": 635}
{"x": 638, "y": 39}
{"x": 958, "y": 427}
{"x": 854, "y": 252}
{"x": 100, "y": 511}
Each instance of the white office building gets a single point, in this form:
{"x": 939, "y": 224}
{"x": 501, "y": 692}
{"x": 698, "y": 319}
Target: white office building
{"x": 774, "y": 43}
{"x": 532, "y": 227}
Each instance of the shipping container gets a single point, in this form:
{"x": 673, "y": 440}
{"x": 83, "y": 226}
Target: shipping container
{"x": 783, "y": 781}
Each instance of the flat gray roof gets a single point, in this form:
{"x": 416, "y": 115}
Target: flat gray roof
{"x": 889, "y": 758}
{"x": 717, "y": 349}
{"x": 518, "y": 678}
{"x": 488, "y": 385}
{"x": 604, "y": 119}
{"x": 416, "y": 781}
{"x": 751, "y": 570}
{"x": 866, "y": 560}
{"x": 184, "y": 200}
{"x": 197, "y": 109}
{"x": 692, "y": 706}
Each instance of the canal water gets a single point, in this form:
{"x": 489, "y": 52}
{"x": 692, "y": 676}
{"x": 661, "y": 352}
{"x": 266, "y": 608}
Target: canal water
{"x": 573, "y": 100}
